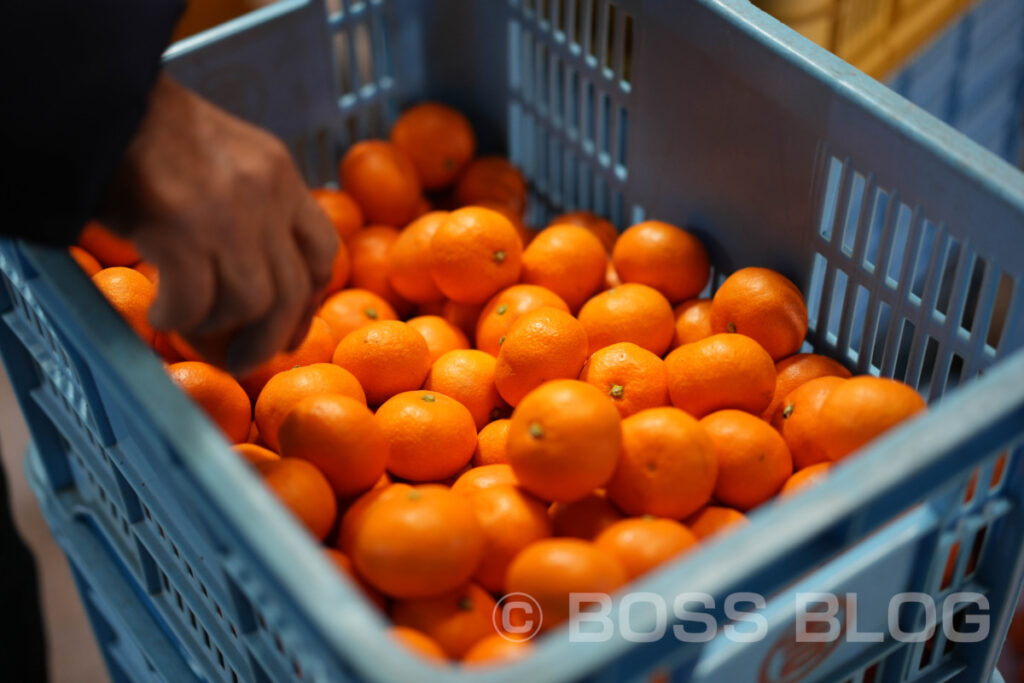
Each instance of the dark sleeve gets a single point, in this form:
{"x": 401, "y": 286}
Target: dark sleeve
{"x": 76, "y": 76}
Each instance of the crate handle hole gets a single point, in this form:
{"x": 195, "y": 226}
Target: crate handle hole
{"x": 998, "y": 470}
{"x": 972, "y": 560}
{"x": 950, "y": 570}
{"x": 972, "y": 484}
{"x": 1000, "y": 311}
{"x": 928, "y": 650}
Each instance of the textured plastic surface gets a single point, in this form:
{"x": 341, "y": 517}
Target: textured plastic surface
{"x": 906, "y": 236}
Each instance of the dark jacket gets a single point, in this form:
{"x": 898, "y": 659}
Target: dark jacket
{"x": 75, "y": 79}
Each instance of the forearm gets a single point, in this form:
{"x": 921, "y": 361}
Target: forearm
{"x": 77, "y": 79}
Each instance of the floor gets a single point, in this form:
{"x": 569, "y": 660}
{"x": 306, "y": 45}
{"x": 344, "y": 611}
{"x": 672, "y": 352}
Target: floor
{"x": 74, "y": 657}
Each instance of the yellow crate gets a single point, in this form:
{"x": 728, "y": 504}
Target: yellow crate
{"x": 876, "y": 36}
{"x": 816, "y": 19}
{"x": 861, "y": 27}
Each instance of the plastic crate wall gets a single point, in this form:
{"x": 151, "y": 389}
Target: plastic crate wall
{"x": 778, "y": 162}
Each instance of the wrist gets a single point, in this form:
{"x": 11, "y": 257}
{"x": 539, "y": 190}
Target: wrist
{"x": 123, "y": 204}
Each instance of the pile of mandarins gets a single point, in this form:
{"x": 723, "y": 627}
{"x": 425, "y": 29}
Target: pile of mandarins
{"x": 480, "y": 408}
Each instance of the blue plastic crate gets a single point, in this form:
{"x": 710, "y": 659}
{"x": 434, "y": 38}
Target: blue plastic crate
{"x": 972, "y": 76}
{"x": 907, "y": 237}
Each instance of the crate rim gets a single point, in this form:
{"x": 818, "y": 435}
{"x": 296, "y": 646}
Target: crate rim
{"x": 244, "y": 22}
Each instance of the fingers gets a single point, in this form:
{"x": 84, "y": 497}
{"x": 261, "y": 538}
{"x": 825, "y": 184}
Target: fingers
{"x": 245, "y": 291}
{"x": 257, "y": 342}
{"x": 243, "y": 250}
{"x": 264, "y": 294}
{"x": 186, "y": 293}
{"x": 302, "y": 329}
{"x": 317, "y": 239}
{"x": 212, "y": 349}
{"x": 319, "y": 243}
{"x": 301, "y": 261}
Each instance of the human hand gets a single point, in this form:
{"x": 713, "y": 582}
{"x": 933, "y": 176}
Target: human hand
{"x": 217, "y": 205}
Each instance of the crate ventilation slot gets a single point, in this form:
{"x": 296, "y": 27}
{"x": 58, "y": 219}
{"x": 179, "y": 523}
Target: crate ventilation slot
{"x": 934, "y": 286}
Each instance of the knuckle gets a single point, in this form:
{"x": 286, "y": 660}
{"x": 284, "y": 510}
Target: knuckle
{"x": 257, "y": 176}
{"x": 258, "y": 172}
{"x": 278, "y": 159}
{"x": 275, "y": 149}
